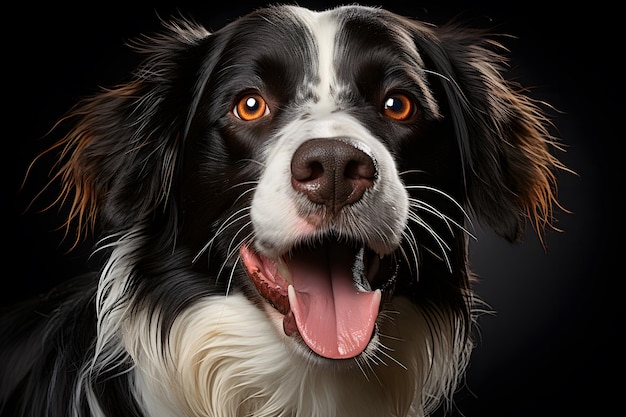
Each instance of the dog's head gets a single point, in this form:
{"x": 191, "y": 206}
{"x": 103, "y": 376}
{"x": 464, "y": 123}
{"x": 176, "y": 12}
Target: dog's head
{"x": 325, "y": 164}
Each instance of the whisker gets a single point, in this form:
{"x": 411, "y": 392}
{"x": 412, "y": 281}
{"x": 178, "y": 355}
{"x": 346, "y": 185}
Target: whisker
{"x": 254, "y": 161}
{"x": 411, "y": 171}
{"x": 442, "y": 193}
{"x": 232, "y": 241}
{"x": 365, "y": 362}
{"x": 421, "y": 222}
{"x": 452, "y": 82}
{"x": 232, "y": 273}
{"x": 413, "y": 246}
{"x": 245, "y": 192}
{"x": 443, "y": 246}
{"x": 382, "y": 350}
{"x": 416, "y": 204}
{"x": 225, "y": 224}
{"x": 419, "y": 204}
{"x": 230, "y": 254}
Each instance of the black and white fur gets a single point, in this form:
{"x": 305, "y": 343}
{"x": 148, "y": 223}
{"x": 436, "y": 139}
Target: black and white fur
{"x": 179, "y": 187}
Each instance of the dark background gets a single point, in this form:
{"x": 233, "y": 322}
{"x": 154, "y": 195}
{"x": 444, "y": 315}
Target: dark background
{"x": 550, "y": 348}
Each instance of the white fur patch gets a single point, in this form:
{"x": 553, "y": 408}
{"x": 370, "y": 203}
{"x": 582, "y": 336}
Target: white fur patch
{"x": 226, "y": 359}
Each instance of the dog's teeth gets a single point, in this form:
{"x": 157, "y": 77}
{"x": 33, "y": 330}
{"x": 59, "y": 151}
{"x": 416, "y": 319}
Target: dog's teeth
{"x": 358, "y": 267}
{"x": 358, "y": 272}
{"x": 283, "y": 269}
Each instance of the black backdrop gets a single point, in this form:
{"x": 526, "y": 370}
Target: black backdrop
{"x": 550, "y": 348}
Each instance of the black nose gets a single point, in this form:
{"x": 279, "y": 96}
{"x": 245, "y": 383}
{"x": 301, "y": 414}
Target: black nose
{"x": 332, "y": 172}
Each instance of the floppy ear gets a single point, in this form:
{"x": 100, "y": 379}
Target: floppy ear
{"x": 503, "y": 134}
{"x": 120, "y": 155}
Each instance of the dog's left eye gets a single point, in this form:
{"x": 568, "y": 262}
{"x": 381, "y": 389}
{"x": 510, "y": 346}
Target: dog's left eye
{"x": 399, "y": 107}
{"x": 250, "y": 107}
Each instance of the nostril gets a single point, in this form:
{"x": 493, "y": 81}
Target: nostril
{"x": 360, "y": 169}
{"x": 310, "y": 174}
{"x": 307, "y": 170}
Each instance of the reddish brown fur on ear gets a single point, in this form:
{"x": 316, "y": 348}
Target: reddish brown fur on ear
{"x": 503, "y": 134}
{"x": 529, "y": 160}
{"x": 521, "y": 187}
{"x": 117, "y": 162}
{"x": 82, "y": 155}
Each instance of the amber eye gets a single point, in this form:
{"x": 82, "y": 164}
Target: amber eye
{"x": 399, "y": 107}
{"x": 250, "y": 107}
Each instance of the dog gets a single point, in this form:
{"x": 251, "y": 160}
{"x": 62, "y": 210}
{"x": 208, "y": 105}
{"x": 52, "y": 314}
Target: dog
{"x": 283, "y": 209}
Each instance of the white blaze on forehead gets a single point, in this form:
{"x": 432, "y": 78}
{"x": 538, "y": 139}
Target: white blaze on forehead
{"x": 323, "y": 27}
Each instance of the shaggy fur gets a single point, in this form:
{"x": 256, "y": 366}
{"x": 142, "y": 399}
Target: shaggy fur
{"x": 283, "y": 211}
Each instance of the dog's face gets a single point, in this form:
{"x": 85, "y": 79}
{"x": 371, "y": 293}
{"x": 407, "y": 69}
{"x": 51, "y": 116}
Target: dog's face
{"x": 331, "y": 131}
{"x": 324, "y": 165}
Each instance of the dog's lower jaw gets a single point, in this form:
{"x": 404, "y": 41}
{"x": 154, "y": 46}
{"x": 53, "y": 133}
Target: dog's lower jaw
{"x": 212, "y": 349}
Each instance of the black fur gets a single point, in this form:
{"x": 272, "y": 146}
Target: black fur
{"x": 160, "y": 162}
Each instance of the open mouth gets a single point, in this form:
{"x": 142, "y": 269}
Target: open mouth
{"x": 330, "y": 292}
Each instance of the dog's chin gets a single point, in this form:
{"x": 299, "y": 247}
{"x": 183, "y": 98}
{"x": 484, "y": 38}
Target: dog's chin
{"x": 326, "y": 296}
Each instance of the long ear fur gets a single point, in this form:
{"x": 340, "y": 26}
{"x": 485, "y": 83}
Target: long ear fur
{"x": 503, "y": 134}
{"x": 119, "y": 158}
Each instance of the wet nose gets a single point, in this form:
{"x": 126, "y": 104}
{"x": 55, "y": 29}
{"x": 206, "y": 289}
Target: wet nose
{"x": 332, "y": 172}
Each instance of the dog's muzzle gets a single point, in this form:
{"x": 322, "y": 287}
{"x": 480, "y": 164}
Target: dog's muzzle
{"x": 330, "y": 285}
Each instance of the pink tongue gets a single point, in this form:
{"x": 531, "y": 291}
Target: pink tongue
{"x": 334, "y": 319}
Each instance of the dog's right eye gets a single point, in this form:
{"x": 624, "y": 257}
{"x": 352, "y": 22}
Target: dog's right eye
{"x": 250, "y": 107}
{"x": 399, "y": 107}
